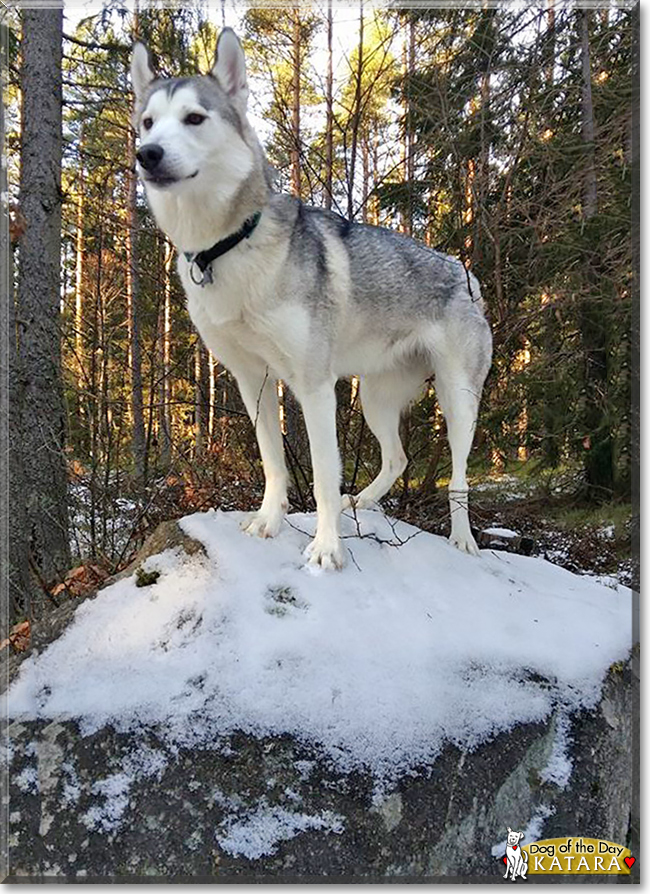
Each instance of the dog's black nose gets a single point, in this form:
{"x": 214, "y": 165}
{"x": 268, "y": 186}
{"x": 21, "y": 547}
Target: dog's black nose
{"x": 150, "y": 156}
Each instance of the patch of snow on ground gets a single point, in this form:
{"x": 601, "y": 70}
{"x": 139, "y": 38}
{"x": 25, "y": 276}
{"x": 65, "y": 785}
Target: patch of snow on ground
{"x": 119, "y": 523}
{"x": 71, "y": 785}
{"x": 106, "y": 816}
{"x": 559, "y": 767}
{"x": 259, "y": 833}
{"x": 507, "y": 487}
{"x": 27, "y": 780}
{"x": 113, "y": 790}
{"x": 500, "y": 532}
{"x": 558, "y": 555}
{"x": 408, "y": 647}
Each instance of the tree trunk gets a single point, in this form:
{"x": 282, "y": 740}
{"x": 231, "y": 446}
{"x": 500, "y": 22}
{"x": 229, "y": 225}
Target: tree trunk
{"x": 164, "y": 410}
{"x": 79, "y": 269}
{"x": 201, "y": 398}
{"x": 329, "y": 103}
{"x": 132, "y": 306}
{"x": 410, "y": 136}
{"x": 365, "y": 186}
{"x": 550, "y": 43}
{"x": 39, "y": 299}
{"x": 482, "y": 182}
{"x": 552, "y": 434}
{"x": 212, "y": 381}
{"x": 79, "y": 425}
{"x": 356, "y": 117}
{"x": 139, "y": 441}
{"x": 406, "y": 143}
{"x": 590, "y": 194}
{"x": 599, "y": 465}
{"x": 295, "y": 107}
{"x": 14, "y": 552}
{"x": 95, "y": 381}
{"x": 375, "y": 177}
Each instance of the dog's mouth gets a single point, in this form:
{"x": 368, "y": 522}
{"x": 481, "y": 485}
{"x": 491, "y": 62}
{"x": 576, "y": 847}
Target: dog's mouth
{"x": 163, "y": 180}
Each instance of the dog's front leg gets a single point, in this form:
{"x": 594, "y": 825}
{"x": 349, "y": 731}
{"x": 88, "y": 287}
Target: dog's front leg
{"x": 319, "y": 409}
{"x": 258, "y": 388}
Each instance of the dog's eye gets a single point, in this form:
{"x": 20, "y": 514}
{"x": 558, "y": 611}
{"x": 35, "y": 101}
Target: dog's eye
{"x": 147, "y": 123}
{"x": 194, "y": 118}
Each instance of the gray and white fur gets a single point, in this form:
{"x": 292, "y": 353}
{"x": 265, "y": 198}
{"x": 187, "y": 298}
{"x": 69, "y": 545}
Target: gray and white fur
{"x": 309, "y": 297}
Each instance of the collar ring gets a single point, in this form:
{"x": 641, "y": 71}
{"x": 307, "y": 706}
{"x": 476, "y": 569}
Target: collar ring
{"x": 205, "y": 274}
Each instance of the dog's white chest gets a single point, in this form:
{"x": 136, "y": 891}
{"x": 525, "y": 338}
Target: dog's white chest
{"x": 218, "y": 302}
{"x": 229, "y": 325}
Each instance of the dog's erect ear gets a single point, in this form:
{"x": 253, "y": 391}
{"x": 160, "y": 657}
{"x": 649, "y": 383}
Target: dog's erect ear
{"x": 521, "y": 835}
{"x": 142, "y": 73}
{"x": 230, "y": 68}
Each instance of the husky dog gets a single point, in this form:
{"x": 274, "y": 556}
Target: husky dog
{"x": 278, "y": 289}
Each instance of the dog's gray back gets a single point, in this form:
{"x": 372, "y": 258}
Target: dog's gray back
{"x": 396, "y": 283}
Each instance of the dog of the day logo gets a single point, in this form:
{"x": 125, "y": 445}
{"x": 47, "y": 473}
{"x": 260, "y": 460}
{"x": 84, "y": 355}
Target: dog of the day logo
{"x": 516, "y": 859}
{"x": 565, "y": 856}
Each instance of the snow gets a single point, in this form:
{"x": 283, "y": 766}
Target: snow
{"x": 27, "y": 780}
{"x": 412, "y": 645}
{"x": 260, "y": 832}
{"x": 559, "y": 767}
{"x": 107, "y": 814}
{"x": 71, "y": 790}
{"x": 115, "y": 791}
{"x": 508, "y": 487}
{"x": 119, "y": 525}
{"x": 500, "y": 532}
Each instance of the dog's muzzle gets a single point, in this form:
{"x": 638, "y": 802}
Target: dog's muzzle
{"x": 150, "y": 156}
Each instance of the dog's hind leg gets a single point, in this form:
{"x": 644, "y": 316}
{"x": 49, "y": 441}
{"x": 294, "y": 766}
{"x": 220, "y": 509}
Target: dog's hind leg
{"x": 459, "y": 381}
{"x": 383, "y": 397}
{"x": 259, "y": 393}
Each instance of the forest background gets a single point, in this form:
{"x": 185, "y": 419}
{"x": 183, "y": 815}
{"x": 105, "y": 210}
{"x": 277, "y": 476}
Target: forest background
{"x": 504, "y": 134}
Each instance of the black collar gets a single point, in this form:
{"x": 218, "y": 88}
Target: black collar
{"x": 203, "y": 259}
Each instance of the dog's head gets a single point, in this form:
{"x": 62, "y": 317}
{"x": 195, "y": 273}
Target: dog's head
{"x": 192, "y": 130}
{"x": 514, "y": 837}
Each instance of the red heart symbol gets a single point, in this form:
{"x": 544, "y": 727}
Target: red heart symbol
{"x": 514, "y": 847}
{"x": 630, "y": 861}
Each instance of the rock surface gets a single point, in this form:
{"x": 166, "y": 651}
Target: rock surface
{"x": 125, "y": 806}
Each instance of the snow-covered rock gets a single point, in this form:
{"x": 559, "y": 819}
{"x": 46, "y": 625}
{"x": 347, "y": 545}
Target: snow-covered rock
{"x": 243, "y": 714}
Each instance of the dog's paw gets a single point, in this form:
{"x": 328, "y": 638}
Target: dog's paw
{"x": 465, "y": 543}
{"x": 262, "y": 524}
{"x": 325, "y": 554}
{"x": 349, "y": 501}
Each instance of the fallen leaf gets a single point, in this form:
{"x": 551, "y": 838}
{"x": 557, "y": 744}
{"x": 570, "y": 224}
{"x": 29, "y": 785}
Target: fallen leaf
{"x": 19, "y": 637}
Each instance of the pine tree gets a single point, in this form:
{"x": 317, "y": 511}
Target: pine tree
{"x": 43, "y": 430}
